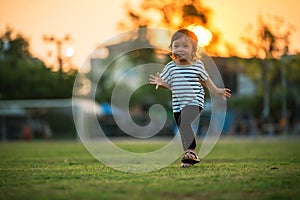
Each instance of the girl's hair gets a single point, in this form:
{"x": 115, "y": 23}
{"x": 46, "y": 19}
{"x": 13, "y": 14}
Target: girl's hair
{"x": 185, "y": 33}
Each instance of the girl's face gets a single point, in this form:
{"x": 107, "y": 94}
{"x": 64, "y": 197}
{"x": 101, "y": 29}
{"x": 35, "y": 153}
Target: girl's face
{"x": 182, "y": 49}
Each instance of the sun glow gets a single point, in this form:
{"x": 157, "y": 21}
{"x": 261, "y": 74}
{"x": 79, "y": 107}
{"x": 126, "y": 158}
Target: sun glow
{"x": 69, "y": 52}
{"x": 203, "y": 34}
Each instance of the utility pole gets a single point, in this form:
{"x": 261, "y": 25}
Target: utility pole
{"x": 59, "y": 43}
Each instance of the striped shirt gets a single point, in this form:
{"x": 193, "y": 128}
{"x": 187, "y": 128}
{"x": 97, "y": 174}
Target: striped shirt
{"x": 185, "y": 84}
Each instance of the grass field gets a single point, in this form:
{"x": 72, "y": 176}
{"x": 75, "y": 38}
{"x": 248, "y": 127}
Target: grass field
{"x": 236, "y": 169}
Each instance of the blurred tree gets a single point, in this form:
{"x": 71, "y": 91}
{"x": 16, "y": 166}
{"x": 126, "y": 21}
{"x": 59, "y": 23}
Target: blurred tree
{"x": 16, "y": 46}
{"x": 25, "y": 77}
{"x": 269, "y": 43}
{"x": 170, "y": 15}
{"x": 166, "y": 14}
{"x": 270, "y": 40}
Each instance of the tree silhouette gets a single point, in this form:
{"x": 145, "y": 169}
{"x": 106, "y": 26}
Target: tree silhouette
{"x": 270, "y": 41}
{"x": 24, "y": 77}
{"x": 170, "y": 15}
{"x": 16, "y": 46}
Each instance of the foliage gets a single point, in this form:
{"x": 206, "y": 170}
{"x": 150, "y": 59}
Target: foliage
{"x": 247, "y": 104}
{"x": 170, "y": 15}
{"x": 25, "y": 77}
{"x": 268, "y": 43}
{"x": 166, "y": 14}
{"x": 14, "y": 45}
{"x": 270, "y": 39}
{"x": 252, "y": 67}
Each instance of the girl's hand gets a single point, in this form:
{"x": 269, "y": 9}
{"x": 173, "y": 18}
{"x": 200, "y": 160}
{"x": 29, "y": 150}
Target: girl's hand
{"x": 156, "y": 80}
{"x": 223, "y": 92}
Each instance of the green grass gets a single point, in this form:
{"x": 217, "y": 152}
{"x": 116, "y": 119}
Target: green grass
{"x": 235, "y": 169}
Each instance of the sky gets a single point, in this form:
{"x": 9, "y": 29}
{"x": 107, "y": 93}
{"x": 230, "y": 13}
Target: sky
{"x": 92, "y": 22}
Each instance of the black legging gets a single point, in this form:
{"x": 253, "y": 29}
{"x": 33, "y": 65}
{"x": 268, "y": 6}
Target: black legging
{"x": 184, "y": 121}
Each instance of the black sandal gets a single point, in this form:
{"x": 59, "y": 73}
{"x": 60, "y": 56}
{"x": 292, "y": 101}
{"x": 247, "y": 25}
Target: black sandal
{"x": 190, "y": 157}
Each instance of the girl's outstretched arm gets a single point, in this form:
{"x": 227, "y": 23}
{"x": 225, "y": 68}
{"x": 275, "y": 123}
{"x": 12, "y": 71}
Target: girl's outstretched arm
{"x": 222, "y": 92}
{"x": 156, "y": 80}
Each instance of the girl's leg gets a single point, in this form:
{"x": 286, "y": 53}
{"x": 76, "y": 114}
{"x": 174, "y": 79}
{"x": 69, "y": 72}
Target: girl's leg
{"x": 184, "y": 121}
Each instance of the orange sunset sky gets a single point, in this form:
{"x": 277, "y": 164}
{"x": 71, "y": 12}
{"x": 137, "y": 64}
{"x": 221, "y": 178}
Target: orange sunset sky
{"x": 91, "y": 22}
